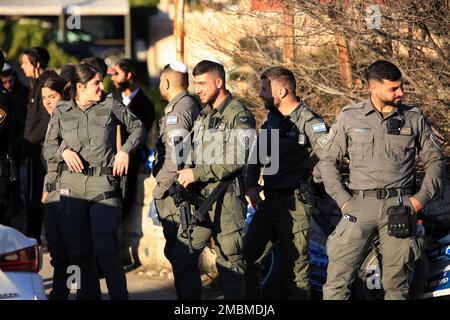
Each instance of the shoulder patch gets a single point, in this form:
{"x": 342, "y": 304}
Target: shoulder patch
{"x": 435, "y": 141}
{"x": 319, "y": 127}
{"x": 243, "y": 119}
{"x": 326, "y": 140}
{"x": 174, "y": 135}
{"x": 3, "y": 115}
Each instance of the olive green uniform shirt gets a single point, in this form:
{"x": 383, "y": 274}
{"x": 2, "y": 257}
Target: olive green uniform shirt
{"x": 178, "y": 120}
{"x": 221, "y": 144}
{"x": 378, "y": 159}
{"x": 91, "y": 133}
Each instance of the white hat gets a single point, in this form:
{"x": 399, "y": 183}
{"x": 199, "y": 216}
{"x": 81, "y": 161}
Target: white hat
{"x": 178, "y": 66}
{"x": 6, "y": 67}
{"x": 215, "y": 61}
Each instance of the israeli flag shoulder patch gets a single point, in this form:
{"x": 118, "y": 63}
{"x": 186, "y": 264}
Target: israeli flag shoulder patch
{"x": 172, "y": 120}
{"x": 319, "y": 127}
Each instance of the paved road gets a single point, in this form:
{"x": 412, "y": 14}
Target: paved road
{"x": 140, "y": 285}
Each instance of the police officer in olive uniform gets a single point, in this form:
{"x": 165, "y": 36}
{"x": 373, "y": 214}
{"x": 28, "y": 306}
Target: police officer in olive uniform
{"x": 82, "y": 132}
{"x": 60, "y": 260}
{"x": 6, "y": 139}
{"x": 178, "y": 120}
{"x": 292, "y": 133}
{"x": 52, "y": 92}
{"x": 381, "y": 136}
{"x": 221, "y": 145}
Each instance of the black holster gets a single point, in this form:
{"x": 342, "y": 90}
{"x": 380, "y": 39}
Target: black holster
{"x": 305, "y": 192}
{"x": 14, "y": 174}
{"x": 401, "y": 222}
{"x": 8, "y": 168}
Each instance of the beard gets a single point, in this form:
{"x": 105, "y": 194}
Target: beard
{"x": 269, "y": 105}
{"x": 397, "y": 102}
{"x": 210, "y": 101}
{"x": 163, "y": 97}
{"x": 394, "y": 103}
{"x": 122, "y": 86}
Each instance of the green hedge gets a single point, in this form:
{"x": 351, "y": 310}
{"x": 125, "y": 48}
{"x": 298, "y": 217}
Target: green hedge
{"x": 18, "y": 35}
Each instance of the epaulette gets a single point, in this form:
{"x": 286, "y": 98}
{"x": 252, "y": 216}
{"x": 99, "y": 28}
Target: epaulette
{"x": 412, "y": 108}
{"x": 64, "y": 105}
{"x": 358, "y": 105}
{"x": 306, "y": 114}
{"x": 235, "y": 106}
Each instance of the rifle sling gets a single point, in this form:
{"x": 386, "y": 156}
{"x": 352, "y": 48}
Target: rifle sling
{"x": 221, "y": 188}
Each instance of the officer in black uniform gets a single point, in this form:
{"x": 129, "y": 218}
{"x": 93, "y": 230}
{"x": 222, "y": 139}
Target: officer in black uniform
{"x": 8, "y": 173}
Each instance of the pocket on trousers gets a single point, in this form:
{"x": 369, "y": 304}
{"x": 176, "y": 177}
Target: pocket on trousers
{"x": 334, "y": 237}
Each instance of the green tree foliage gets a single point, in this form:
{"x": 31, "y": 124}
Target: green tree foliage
{"x": 16, "y": 36}
{"x": 144, "y": 3}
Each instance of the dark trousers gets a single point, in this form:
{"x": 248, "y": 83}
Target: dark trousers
{"x": 283, "y": 220}
{"x": 4, "y": 198}
{"x": 132, "y": 177}
{"x": 92, "y": 230}
{"x": 35, "y": 208}
{"x": 54, "y": 234}
{"x": 170, "y": 220}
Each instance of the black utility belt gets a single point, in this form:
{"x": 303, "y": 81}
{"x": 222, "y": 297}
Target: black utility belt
{"x": 90, "y": 171}
{"x": 384, "y": 193}
{"x": 278, "y": 193}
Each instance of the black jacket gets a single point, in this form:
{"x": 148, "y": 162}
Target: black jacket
{"x": 143, "y": 108}
{"x": 36, "y": 121}
{"x": 6, "y": 122}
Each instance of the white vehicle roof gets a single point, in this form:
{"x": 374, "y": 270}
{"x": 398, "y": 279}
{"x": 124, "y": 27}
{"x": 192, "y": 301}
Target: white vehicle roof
{"x": 56, "y": 7}
{"x": 12, "y": 240}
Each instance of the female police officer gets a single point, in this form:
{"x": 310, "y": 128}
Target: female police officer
{"x": 82, "y": 133}
{"x": 52, "y": 93}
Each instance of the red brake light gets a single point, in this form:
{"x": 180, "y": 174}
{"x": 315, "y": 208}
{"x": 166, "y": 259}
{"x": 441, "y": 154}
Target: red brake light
{"x": 26, "y": 259}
